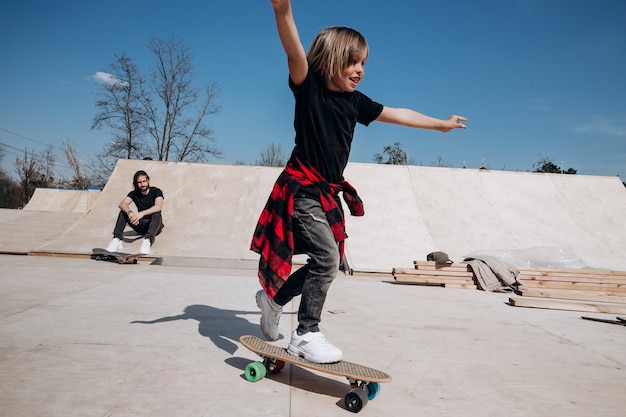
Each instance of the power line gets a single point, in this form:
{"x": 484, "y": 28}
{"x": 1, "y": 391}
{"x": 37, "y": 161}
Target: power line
{"x": 61, "y": 164}
{"x": 11, "y": 147}
{"x": 23, "y": 137}
{"x": 36, "y": 141}
{"x": 17, "y": 152}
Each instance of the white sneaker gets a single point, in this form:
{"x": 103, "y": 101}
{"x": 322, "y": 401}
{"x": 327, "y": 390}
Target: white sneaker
{"x": 115, "y": 245}
{"x": 145, "y": 247}
{"x": 314, "y": 347}
{"x": 270, "y": 316}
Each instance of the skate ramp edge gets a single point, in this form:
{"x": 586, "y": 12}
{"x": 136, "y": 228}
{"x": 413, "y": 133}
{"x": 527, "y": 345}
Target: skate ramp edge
{"x": 62, "y": 200}
{"x": 211, "y": 210}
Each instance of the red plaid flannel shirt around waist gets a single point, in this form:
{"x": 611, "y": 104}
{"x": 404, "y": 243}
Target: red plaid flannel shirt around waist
{"x": 273, "y": 236}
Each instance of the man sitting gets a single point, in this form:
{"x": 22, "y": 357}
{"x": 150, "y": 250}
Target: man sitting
{"x": 147, "y": 221}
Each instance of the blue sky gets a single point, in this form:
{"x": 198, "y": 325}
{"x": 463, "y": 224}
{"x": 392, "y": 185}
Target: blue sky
{"x": 536, "y": 78}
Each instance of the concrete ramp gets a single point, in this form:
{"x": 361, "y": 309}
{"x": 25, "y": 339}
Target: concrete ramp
{"x": 412, "y": 211}
{"x": 211, "y": 210}
{"x": 22, "y": 231}
{"x": 57, "y": 199}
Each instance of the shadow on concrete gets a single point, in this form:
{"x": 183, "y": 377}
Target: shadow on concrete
{"x": 130, "y": 236}
{"x": 300, "y": 378}
{"x": 223, "y": 327}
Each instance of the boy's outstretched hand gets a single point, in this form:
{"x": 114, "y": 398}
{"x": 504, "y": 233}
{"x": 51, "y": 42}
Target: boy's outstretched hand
{"x": 453, "y": 122}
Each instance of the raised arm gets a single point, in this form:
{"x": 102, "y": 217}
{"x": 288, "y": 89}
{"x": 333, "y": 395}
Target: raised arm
{"x": 411, "y": 118}
{"x": 288, "y": 33}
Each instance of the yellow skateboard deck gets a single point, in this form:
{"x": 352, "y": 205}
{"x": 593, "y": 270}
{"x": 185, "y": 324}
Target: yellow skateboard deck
{"x": 364, "y": 381}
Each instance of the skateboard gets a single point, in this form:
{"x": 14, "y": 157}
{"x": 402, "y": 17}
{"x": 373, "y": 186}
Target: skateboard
{"x": 100, "y": 254}
{"x": 364, "y": 381}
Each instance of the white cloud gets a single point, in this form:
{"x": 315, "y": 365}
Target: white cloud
{"x": 109, "y": 79}
{"x": 602, "y": 125}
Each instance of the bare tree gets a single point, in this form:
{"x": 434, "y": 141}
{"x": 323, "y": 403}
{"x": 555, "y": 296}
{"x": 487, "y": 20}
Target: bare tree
{"x": 121, "y": 108}
{"x": 34, "y": 171}
{"x": 176, "y": 111}
{"x": 79, "y": 180}
{"x": 272, "y": 156}
{"x": 8, "y": 188}
{"x": 48, "y": 162}
{"x": 9, "y": 192}
{"x": 439, "y": 162}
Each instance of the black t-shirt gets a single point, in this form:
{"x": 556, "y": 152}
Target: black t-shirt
{"x": 144, "y": 202}
{"x": 324, "y": 122}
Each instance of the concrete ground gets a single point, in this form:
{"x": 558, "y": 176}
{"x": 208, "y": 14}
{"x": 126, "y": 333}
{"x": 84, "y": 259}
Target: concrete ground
{"x": 86, "y": 338}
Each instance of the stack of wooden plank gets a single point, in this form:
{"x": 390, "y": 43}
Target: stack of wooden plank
{"x": 589, "y": 290}
{"x": 592, "y": 280}
{"x": 456, "y": 275}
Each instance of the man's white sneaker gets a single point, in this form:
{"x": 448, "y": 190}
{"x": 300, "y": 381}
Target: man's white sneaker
{"x": 314, "y": 347}
{"x": 115, "y": 245}
{"x": 145, "y": 247}
{"x": 270, "y": 316}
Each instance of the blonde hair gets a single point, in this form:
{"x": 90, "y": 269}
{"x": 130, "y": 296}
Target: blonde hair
{"x": 334, "y": 49}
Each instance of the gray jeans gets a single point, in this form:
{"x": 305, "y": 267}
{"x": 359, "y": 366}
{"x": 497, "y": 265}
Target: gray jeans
{"x": 149, "y": 226}
{"x": 313, "y": 236}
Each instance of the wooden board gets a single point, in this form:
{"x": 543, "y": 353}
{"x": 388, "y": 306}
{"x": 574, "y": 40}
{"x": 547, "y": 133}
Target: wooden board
{"x": 579, "y": 286}
{"x": 456, "y": 284}
{"x": 592, "y": 285}
{"x": 437, "y": 273}
{"x": 432, "y": 266}
{"x": 429, "y": 279}
{"x": 618, "y": 321}
{"x": 429, "y": 273}
{"x": 568, "y": 305}
{"x": 600, "y": 279}
{"x": 564, "y": 271}
{"x": 595, "y": 296}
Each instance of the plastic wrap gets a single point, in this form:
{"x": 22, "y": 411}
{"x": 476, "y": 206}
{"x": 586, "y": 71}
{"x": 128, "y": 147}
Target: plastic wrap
{"x": 535, "y": 257}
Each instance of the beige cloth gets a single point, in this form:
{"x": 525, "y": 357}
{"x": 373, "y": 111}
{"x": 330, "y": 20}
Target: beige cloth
{"x": 494, "y": 274}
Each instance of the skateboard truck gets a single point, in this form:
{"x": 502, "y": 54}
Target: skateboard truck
{"x": 360, "y": 391}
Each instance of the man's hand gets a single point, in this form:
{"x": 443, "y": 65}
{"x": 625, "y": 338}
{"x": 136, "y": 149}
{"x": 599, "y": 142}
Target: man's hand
{"x": 134, "y": 218}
